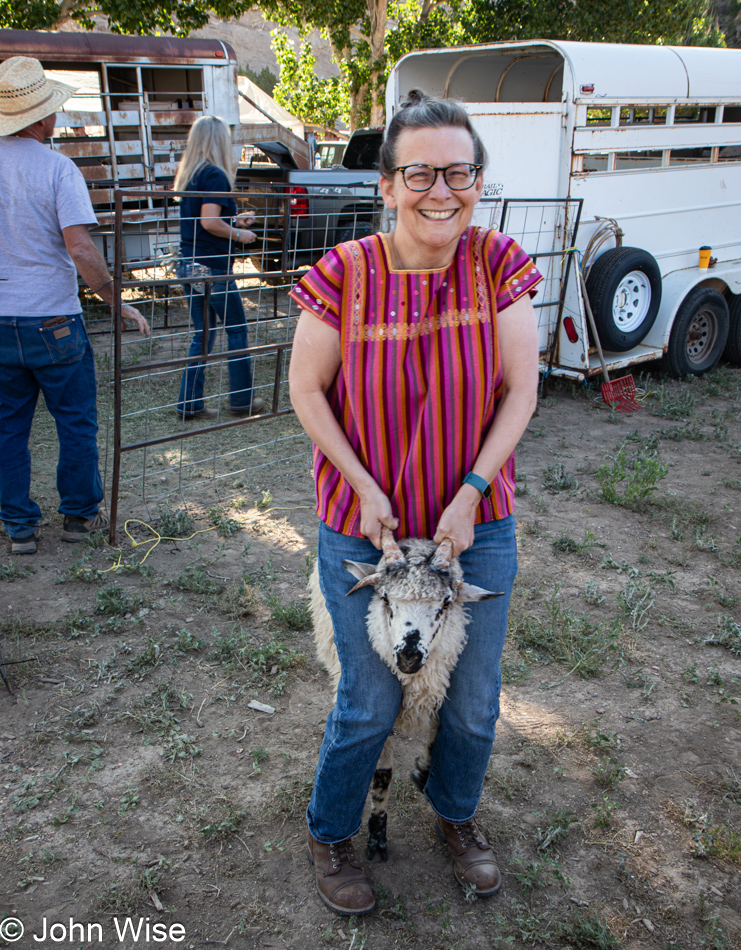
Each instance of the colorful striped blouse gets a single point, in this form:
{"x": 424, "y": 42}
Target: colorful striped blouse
{"x": 421, "y": 377}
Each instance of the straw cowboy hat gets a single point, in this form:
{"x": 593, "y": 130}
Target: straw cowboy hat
{"x": 26, "y": 95}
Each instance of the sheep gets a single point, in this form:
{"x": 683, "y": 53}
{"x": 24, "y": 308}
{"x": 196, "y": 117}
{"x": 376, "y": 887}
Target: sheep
{"x": 417, "y": 625}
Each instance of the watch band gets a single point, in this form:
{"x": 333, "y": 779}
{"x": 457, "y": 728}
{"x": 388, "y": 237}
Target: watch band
{"x": 479, "y": 483}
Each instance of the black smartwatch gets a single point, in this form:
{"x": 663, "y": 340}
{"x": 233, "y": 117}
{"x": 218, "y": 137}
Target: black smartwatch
{"x": 478, "y": 482}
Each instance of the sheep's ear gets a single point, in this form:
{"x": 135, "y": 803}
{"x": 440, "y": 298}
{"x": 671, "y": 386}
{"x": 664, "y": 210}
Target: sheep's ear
{"x": 469, "y": 593}
{"x": 364, "y": 573}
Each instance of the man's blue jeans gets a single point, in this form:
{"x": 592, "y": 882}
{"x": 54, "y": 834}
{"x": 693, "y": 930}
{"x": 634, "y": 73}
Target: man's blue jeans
{"x": 369, "y": 694}
{"x": 57, "y": 361}
{"x": 226, "y": 305}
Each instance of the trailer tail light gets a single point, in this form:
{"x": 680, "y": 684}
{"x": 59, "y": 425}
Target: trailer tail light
{"x": 299, "y": 205}
{"x": 570, "y": 328}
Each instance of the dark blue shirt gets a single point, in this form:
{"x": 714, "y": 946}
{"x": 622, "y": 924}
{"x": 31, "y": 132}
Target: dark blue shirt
{"x": 196, "y": 243}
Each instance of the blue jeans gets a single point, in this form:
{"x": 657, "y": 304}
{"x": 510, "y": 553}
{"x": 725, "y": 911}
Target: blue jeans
{"x": 369, "y": 695}
{"x": 226, "y": 304}
{"x": 57, "y": 361}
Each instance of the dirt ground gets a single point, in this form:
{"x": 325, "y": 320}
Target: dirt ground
{"x": 157, "y": 755}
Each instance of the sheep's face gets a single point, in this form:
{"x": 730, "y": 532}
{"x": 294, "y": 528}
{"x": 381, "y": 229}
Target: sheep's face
{"x": 416, "y": 589}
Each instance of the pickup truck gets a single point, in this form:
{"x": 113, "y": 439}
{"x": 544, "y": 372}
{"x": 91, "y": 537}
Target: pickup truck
{"x": 327, "y": 205}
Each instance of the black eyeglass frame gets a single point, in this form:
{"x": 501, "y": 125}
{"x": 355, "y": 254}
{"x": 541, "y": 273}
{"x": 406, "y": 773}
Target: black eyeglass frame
{"x": 403, "y": 168}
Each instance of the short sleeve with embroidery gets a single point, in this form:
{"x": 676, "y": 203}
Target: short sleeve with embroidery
{"x": 320, "y": 291}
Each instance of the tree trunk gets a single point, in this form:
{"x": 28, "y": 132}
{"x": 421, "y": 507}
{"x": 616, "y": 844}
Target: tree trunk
{"x": 66, "y": 9}
{"x": 378, "y": 10}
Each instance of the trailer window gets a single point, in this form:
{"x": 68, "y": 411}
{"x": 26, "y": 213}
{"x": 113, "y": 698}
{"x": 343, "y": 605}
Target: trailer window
{"x": 598, "y": 115}
{"x": 690, "y": 156}
{"x": 730, "y": 153}
{"x": 732, "y": 114}
{"x": 643, "y": 115}
{"x": 594, "y": 162}
{"x": 698, "y": 114}
{"x": 641, "y": 159}
{"x": 86, "y": 99}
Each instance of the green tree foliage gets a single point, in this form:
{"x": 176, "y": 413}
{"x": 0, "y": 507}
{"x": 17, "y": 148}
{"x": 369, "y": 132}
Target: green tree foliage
{"x": 300, "y": 90}
{"x": 146, "y": 17}
{"x": 666, "y": 22}
{"x": 265, "y": 79}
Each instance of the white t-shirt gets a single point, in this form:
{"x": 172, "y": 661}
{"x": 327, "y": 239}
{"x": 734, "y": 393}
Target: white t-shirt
{"x": 41, "y": 192}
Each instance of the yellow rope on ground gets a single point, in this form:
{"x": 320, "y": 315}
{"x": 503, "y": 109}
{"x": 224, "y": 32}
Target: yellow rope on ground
{"x": 156, "y": 540}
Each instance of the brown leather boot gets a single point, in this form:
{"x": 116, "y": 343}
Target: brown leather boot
{"x": 473, "y": 859}
{"x": 340, "y": 879}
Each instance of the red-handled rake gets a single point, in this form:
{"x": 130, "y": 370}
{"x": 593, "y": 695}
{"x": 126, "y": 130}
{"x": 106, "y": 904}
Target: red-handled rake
{"x": 620, "y": 394}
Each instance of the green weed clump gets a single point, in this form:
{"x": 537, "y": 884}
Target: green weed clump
{"x": 629, "y": 479}
{"x": 267, "y": 661}
{"x": 225, "y": 526}
{"x": 115, "y": 601}
{"x": 566, "y": 637}
{"x": 176, "y": 524}
{"x": 673, "y": 405}
{"x": 557, "y": 479}
{"x": 587, "y": 930}
{"x": 295, "y": 616}
{"x": 195, "y": 580}
{"x": 728, "y": 635}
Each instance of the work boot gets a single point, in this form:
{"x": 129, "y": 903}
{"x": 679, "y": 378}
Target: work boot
{"x": 77, "y": 528}
{"x": 473, "y": 859}
{"x": 24, "y": 545}
{"x": 340, "y": 878}
{"x": 257, "y": 407}
{"x": 201, "y": 414}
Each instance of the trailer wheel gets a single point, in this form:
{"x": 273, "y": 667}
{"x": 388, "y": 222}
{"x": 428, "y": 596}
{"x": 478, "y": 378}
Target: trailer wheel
{"x": 732, "y": 351}
{"x": 624, "y": 288}
{"x": 699, "y": 333}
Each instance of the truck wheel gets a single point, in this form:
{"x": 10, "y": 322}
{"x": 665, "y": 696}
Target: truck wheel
{"x": 699, "y": 333}
{"x": 732, "y": 351}
{"x": 624, "y": 288}
{"x": 354, "y": 231}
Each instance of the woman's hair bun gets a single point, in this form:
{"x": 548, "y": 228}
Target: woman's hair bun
{"x": 414, "y": 97}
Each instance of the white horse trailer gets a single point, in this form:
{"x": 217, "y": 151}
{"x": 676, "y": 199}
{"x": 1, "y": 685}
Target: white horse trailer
{"x": 646, "y": 142}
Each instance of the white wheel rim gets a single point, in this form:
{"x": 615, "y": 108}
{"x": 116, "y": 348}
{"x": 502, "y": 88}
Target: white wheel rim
{"x": 631, "y": 301}
{"x": 701, "y": 336}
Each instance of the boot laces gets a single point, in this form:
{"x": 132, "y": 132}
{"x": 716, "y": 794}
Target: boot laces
{"x": 469, "y": 834}
{"x": 342, "y": 853}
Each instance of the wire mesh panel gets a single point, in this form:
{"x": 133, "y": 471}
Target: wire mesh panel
{"x": 546, "y": 229}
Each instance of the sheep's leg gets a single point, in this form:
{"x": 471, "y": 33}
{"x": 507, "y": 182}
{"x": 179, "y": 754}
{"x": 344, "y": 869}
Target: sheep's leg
{"x": 377, "y": 840}
{"x": 422, "y": 763}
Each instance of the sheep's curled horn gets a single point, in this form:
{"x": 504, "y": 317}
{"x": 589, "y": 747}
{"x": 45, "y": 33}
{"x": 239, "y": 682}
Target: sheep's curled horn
{"x": 395, "y": 558}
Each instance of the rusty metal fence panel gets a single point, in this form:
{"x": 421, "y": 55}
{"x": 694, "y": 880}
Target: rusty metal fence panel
{"x": 155, "y": 460}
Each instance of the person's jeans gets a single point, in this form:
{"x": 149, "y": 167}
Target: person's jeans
{"x": 226, "y": 305}
{"x": 59, "y": 362}
{"x": 369, "y": 695}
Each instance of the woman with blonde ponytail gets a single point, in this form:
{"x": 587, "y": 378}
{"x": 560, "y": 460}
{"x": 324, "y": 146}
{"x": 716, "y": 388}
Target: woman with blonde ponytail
{"x": 209, "y": 226}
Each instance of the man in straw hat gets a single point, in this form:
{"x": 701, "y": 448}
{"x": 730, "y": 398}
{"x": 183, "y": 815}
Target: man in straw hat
{"x": 45, "y": 216}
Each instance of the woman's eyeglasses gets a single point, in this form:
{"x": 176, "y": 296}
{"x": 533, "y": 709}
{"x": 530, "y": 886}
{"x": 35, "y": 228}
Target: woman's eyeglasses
{"x": 459, "y": 177}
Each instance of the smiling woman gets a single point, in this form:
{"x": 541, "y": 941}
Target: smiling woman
{"x": 414, "y": 370}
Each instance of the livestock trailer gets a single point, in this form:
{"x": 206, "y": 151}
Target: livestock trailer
{"x": 137, "y": 98}
{"x": 644, "y": 143}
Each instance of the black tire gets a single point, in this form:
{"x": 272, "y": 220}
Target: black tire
{"x": 699, "y": 333}
{"x": 354, "y": 231}
{"x": 624, "y": 288}
{"x": 732, "y": 351}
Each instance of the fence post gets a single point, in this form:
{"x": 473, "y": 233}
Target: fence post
{"x": 116, "y": 317}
